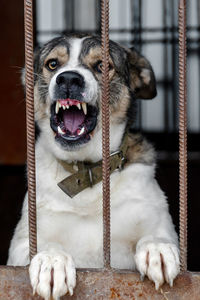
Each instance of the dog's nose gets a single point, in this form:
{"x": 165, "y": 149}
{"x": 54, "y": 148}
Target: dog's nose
{"x": 70, "y": 79}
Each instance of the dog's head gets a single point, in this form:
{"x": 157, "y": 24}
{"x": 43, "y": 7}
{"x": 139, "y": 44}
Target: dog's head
{"x": 68, "y": 76}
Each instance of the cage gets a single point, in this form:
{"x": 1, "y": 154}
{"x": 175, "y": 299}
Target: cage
{"x": 158, "y": 120}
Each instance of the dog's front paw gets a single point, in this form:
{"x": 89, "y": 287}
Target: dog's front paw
{"x": 158, "y": 261}
{"x": 52, "y": 274}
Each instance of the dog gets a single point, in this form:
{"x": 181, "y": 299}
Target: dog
{"x": 68, "y": 109}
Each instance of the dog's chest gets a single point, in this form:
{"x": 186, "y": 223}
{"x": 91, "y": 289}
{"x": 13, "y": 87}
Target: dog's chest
{"x": 78, "y": 227}
{"x": 81, "y": 236}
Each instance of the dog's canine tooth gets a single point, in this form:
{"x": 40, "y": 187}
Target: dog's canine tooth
{"x": 57, "y": 107}
{"x": 79, "y": 106}
{"x": 82, "y": 131}
{"x": 60, "y": 130}
{"x": 84, "y": 106}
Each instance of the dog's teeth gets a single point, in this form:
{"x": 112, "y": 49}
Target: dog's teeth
{"x": 57, "y": 107}
{"x": 79, "y": 106}
{"x": 81, "y": 131}
{"x": 60, "y": 130}
{"x": 60, "y": 105}
{"x": 84, "y": 106}
{"x": 67, "y": 106}
{"x": 63, "y": 107}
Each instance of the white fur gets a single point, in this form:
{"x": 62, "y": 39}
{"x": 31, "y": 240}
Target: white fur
{"x": 142, "y": 233}
{"x": 139, "y": 211}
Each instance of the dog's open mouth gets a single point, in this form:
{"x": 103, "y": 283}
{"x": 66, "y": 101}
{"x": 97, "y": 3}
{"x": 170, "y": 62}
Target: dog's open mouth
{"x": 72, "y": 120}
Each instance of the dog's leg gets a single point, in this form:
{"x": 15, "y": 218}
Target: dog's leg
{"x": 158, "y": 259}
{"x": 52, "y": 274}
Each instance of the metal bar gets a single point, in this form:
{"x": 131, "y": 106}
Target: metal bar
{"x": 198, "y": 47}
{"x": 30, "y": 123}
{"x": 139, "y": 41}
{"x": 165, "y": 66}
{"x": 136, "y": 41}
{"x": 136, "y": 8}
{"x": 69, "y": 21}
{"x": 126, "y": 30}
{"x": 182, "y": 135}
{"x": 98, "y": 16}
{"x": 105, "y": 130}
{"x": 174, "y": 66}
{"x": 147, "y": 41}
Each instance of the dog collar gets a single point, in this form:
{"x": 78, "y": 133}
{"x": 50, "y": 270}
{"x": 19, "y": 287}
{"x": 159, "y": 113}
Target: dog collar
{"x": 87, "y": 174}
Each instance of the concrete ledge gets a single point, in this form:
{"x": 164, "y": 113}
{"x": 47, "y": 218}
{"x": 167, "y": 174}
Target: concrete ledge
{"x": 94, "y": 284}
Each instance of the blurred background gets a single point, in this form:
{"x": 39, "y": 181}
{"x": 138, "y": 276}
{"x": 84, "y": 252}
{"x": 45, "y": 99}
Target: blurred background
{"x": 152, "y": 28}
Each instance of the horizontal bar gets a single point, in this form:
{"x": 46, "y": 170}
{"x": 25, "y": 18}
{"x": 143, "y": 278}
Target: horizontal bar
{"x": 15, "y": 284}
{"x": 126, "y": 30}
{"x": 163, "y": 41}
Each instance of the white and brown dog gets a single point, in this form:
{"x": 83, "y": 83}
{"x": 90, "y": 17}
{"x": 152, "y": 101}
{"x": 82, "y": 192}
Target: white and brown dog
{"x": 68, "y": 115}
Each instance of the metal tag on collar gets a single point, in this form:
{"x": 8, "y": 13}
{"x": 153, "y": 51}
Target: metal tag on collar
{"x": 76, "y": 183}
{"x": 90, "y": 176}
{"x": 122, "y": 158}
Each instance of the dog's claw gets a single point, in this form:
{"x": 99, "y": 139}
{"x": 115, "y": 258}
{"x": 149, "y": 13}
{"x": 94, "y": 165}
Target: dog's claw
{"x": 142, "y": 277}
{"x": 71, "y": 291}
{"x": 158, "y": 254}
{"x": 157, "y": 285}
{"x": 64, "y": 275}
{"x": 171, "y": 282}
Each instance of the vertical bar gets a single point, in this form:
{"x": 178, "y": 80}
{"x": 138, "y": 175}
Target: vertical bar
{"x": 136, "y": 27}
{"x": 136, "y": 8}
{"x": 174, "y": 67}
{"x": 72, "y": 15}
{"x": 105, "y": 130}
{"x": 198, "y": 41}
{"x": 165, "y": 63}
{"x": 182, "y": 135}
{"x": 30, "y": 125}
{"x": 98, "y": 16}
{"x": 140, "y": 50}
{"x": 69, "y": 12}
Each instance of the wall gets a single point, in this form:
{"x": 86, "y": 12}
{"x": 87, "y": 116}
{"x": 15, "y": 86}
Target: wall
{"x": 12, "y": 117}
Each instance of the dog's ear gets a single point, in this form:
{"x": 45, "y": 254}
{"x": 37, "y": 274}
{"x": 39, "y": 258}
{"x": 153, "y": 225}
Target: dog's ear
{"x": 141, "y": 76}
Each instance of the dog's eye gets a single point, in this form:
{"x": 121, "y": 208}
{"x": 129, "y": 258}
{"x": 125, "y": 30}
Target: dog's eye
{"x": 52, "y": 64}
{"x": 98, "y": 67}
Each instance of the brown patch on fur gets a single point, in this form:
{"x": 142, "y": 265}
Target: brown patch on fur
{"x": 119, "y": 108}
{"x": 59, "y": 53}
{"x": 93, "y": 57}
{"x": 139, "y": 150}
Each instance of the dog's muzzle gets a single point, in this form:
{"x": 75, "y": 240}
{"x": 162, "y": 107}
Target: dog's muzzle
{"x": 72, "y": 118}
{"x": 70, "y": 85}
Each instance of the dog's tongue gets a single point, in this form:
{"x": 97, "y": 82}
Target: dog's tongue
{"x": 72, "y": 119}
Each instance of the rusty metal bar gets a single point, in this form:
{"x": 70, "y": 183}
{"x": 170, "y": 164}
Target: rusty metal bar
{"x": 30, "y": 125}
{"x": 182, "y": 135}
{"x": 105, "y": 130}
